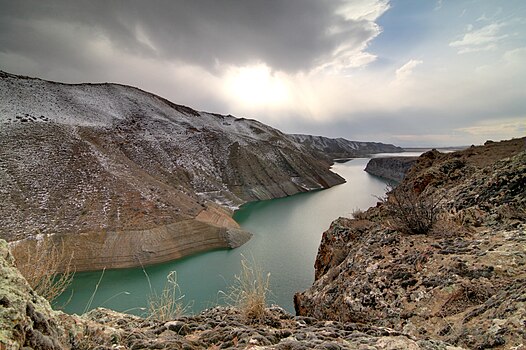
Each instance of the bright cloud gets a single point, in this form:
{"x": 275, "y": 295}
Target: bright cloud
{"x": 482, "y": 39}
{"x": 256, "y": 86}
{"x": 363, "y": 9}
{"x": 505, "y": 128}
{"x": 406, "y": 70}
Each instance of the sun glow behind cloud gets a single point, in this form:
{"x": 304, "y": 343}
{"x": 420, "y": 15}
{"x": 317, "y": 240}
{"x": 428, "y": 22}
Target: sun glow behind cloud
{"x": 412, "y": 73}
{"x": 256, "y": 86}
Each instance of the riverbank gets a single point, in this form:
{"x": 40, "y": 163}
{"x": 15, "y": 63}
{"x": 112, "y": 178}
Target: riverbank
{"x": 442, "y": 257}
{"x": 28, "y": 322}
{"x": 213, "y": 228}
{"x": 287, "y": 232}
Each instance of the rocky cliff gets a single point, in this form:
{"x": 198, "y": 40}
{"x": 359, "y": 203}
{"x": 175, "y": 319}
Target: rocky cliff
{"x": 463, "y": 282}
{"x": 28, "y": 322}
{"x": 340, "y": 148}
{"x": 124, "y": 177}
{"x": 390, "y": 168}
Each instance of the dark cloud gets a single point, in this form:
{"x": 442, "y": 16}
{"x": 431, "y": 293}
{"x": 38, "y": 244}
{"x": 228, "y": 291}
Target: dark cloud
{"x": 290, "y": 35}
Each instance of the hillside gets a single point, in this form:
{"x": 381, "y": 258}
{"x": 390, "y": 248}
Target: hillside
{"x": 340, "y": 148}
{"x": 125, "y": 177}
{"x": 463, "y": 281}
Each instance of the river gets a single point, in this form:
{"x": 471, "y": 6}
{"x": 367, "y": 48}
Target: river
{"x": 287, "y": 233}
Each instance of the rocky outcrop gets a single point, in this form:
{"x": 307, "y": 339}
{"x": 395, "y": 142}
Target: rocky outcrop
{"x": 464, "y": 282}
{"x": 26, "y": 319}
{"x": 121, "y": 175}
{"x": 390, "y": 168}
{"x": 340, "y": 148}
{"x": 28, "y": 322}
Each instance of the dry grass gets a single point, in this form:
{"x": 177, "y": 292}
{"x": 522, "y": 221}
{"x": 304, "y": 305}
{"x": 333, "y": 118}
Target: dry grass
{"x": 512, "y": 211}
{"x": 46, "y": 267}
{"x": 92, "y": 297}
{"x": 250, "y": 291}
{"x": 169, "y": 304}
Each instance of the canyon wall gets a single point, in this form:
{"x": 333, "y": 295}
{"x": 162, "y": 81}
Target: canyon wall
{"x": 463, "y": 281}
{"x": 390, "y": 168}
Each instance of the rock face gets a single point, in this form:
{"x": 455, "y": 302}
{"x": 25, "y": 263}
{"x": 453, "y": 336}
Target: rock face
{"x": 341, "y": 148}
{"x": 390, "y": 168}
{"x": 28, "y": 322}
{"x": 26, "y": 319}
{"x": 124, "y": 177}
{"x": 464, "y": 282}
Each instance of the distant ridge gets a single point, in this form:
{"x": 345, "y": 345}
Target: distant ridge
{"x": 342, "y": 148}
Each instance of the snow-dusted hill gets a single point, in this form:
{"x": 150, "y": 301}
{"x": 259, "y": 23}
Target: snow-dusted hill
{"x": 343, "y": 148}
{"x": 112, "y": 162}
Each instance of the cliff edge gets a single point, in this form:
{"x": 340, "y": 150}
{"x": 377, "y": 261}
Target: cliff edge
{"x": 463, "y": 281}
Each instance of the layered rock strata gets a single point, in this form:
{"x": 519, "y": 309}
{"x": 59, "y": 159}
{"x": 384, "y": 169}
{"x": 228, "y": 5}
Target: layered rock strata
{"x": 464, "y": 282}
{"x": 390, "y": 168}
{"x": 340, "y": 148}
{"x": 122, "y": 176}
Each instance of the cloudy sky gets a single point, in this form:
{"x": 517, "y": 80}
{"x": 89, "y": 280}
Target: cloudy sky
{"x": 409, "y": 72}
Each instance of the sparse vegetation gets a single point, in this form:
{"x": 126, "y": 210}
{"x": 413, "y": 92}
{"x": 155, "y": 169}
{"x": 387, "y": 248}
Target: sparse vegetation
{"x": 250, "y": 291}
{"x": 411, "y": 212}
{"x": 92, "y": 297}
{"x": 512, "y": 211}
{"x": 46, "y": 267}
{"x": 169, "y": 304}
{"x": 358, "y": 214}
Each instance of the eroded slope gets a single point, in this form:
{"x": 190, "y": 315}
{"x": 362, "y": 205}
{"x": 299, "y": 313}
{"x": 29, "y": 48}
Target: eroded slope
{"x": 115, "y": 171}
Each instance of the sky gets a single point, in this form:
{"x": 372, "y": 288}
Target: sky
{"x": 408, "y": 72}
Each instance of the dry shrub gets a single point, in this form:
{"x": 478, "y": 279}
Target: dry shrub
{"x": 169, "y": 304}
{"x": 46, "y": 267}
{"x": 250, "y": 291}
{"x": 359, "y": 214}
{"x": 411, "y": 212}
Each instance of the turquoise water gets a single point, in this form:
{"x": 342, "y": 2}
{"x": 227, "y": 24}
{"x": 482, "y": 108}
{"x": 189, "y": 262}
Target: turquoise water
{"x": 287, "y": 233}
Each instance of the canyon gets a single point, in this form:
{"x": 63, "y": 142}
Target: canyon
{"x": 122, "y": 177}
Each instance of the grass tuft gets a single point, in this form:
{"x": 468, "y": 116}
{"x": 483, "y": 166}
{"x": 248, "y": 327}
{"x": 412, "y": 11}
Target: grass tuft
{"x": 250, "y": 291}
{"x": 47, "y": 268}
{"x": 169, "y": 304}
